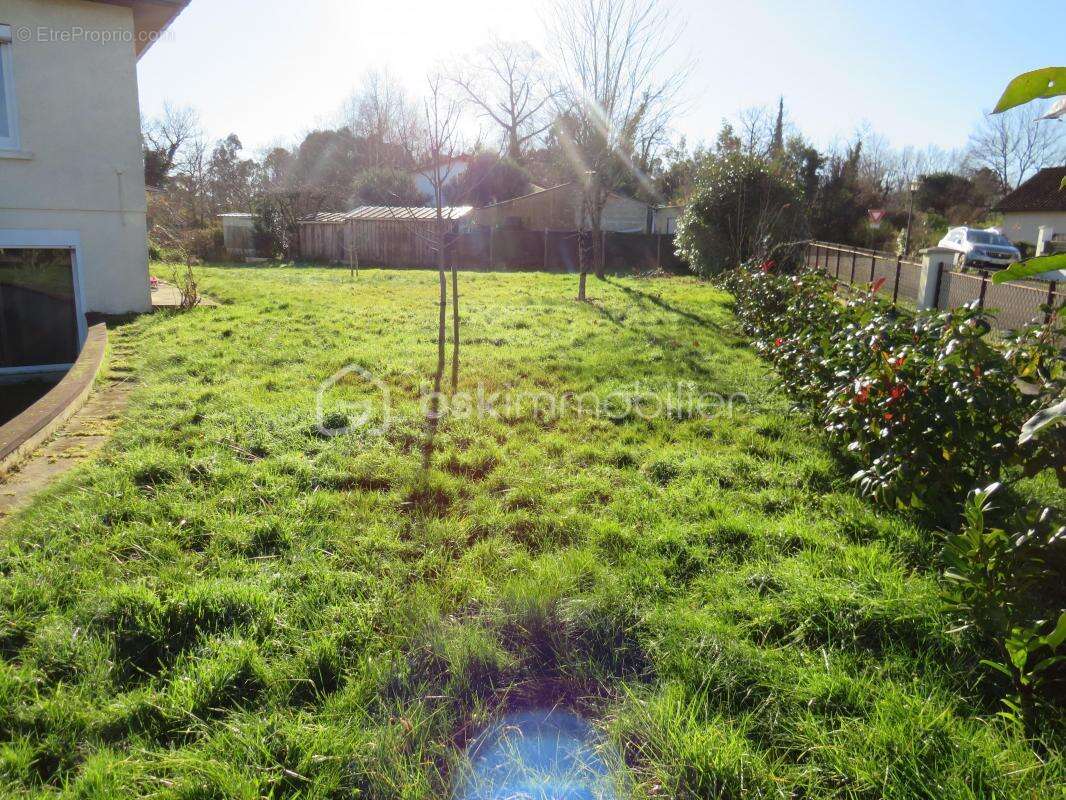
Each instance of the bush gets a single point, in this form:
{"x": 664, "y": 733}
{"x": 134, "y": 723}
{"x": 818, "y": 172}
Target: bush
{"x": 741, "y": 209}
{"x": 925, "y": 405}
{"x": 487, "y": 179}
{"x": 385, "y": 186}
{"x": 1000, "y": 582}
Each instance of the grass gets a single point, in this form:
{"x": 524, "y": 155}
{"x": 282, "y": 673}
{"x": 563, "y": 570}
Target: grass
{"x": 227, "y": 603}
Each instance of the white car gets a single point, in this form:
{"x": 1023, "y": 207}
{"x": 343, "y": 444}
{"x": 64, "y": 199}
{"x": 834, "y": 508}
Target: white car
{"x": 987, "y": 249}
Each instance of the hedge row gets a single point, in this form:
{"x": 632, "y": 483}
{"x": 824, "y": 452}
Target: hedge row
{"x": 927, "y": 405}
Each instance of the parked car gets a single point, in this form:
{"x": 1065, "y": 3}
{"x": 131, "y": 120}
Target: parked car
{"x": 987, "y": 249}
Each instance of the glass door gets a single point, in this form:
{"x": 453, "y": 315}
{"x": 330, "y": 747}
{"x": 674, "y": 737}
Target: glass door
{"x": 38, "y": 313}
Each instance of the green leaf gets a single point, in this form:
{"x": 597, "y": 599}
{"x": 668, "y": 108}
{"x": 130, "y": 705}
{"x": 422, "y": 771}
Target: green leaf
{"x": 1030, "y": 267}
{"x": 1047, "y": 82}
{"x": 1062, "y": 186}
{"x": 1041, "y": 419}
{"x": 1057, "y": 636}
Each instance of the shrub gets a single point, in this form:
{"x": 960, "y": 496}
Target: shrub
{"x": 999, "y": 583}
{"x": 925, "y": 405}
{"x": 741, "y": 209}
{"x": 385, "y": 186}
{"x": 488, "y": 179}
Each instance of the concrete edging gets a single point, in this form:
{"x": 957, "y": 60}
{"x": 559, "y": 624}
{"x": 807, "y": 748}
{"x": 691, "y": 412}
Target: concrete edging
{"x": 26, "y": 432}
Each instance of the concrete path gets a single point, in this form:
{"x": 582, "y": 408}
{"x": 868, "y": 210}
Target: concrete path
{"x": 83, "y": 434}
{"x": 167, "y": 295}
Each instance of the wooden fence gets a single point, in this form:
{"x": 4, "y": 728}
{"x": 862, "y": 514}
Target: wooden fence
{"x": 410, "y": 243}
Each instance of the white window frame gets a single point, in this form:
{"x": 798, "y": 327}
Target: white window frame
{"x": 12, "y": 141}
{"x": 51, "y": 240}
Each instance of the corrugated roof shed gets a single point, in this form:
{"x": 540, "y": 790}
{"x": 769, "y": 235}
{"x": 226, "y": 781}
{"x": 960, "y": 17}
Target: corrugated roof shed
{"x": 1042, "y": 192}
{"x": 390, "y": 214}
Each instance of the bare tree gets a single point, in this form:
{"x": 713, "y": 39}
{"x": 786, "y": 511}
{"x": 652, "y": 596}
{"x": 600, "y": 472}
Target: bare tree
{"x": 1016, "y": 144}
{"x": 383, "y": 114}
{"x": 165, "y": 138}
{"x": 610, "y": 54}
{"x": 755, "y": 127}
{"x": 508, "y": 83}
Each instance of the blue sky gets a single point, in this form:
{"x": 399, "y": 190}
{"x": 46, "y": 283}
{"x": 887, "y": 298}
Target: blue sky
{"x": 918, "y": 72}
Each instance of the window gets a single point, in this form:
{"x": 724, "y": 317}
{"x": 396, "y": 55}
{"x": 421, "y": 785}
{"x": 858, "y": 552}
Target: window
{"x": 38, "y": 316}
{"x": 42, "y": 320}
{"x": 9, "y": 134}
{"x": 988, "y": 237}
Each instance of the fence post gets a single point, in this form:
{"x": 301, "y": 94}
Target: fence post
{"x": 895, "y": 288}
{"x": 658, "y": 251}
{"x": 492, "y": 247}
{"x": 931, "y": 279}
{"x": 1050, "y": 303}
{"x": 837, "y": 267}
{"x": 984, "y": 288}
{"x": 873, "y": 267}
{"x": 854, "y": 264}
{"x": 545, "y": 249}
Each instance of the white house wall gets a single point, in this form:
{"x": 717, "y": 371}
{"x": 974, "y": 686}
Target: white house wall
{"x": 1023, "y": 226}
{"x": 624, "y": 215}
{"x": 450, "y": 172}
{"x": 80, "y": 165}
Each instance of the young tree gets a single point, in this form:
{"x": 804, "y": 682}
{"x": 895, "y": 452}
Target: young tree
{"x": 508, "y": 84}
{"x": 440, "y": 142}
{"x": 610, "y": 55}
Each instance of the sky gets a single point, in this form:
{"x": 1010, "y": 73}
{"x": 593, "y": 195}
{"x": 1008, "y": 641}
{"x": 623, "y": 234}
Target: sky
{"x": 919, "y": 72}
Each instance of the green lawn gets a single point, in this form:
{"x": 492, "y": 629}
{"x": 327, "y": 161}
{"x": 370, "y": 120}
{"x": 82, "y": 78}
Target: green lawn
{"x": 227, "y": 603}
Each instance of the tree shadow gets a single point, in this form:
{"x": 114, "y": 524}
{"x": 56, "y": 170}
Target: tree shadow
{"x": 656, "y": 300}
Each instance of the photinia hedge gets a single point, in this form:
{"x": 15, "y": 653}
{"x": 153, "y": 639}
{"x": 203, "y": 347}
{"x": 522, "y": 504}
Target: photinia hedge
{"x": 926, "y": 405}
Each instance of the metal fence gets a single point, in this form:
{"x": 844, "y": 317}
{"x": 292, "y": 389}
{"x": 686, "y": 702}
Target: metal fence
{"x": 1013, "y": 304}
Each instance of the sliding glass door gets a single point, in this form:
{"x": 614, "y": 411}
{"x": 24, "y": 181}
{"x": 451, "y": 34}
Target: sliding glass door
{"x": 38, "y": 312}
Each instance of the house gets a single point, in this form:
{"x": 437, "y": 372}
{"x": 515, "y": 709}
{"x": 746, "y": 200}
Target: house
{"x": 450, "y": 170}
{"x": 664, "y": 219}
{"x": 1039, "y": 202}
{"x": 559, "y": 208}
{"x": 72, "y": 195}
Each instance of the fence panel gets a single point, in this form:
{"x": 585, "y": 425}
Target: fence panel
{"x": 1015, "y": 304}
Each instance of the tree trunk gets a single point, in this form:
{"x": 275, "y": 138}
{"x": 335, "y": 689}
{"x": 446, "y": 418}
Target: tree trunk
{"x": 455, "y": 325}
{"x": 599, "y": 252}
{"x": 583, "y": 262}
{"x": 433, "y": 414}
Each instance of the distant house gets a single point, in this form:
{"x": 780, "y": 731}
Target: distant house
{"x": 559, "y": 208}
{"x": 664, "y": 219}
{"x": 450, "y": 170}
{"x": 1039, "y": 202}
{"x": 72, "y": 198}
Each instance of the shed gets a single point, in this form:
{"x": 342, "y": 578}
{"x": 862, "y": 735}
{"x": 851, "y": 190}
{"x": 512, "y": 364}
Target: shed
{"x": 238, "y": 234}
{"x": 559, "y": 208}
{"x": 379, "y": 235}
